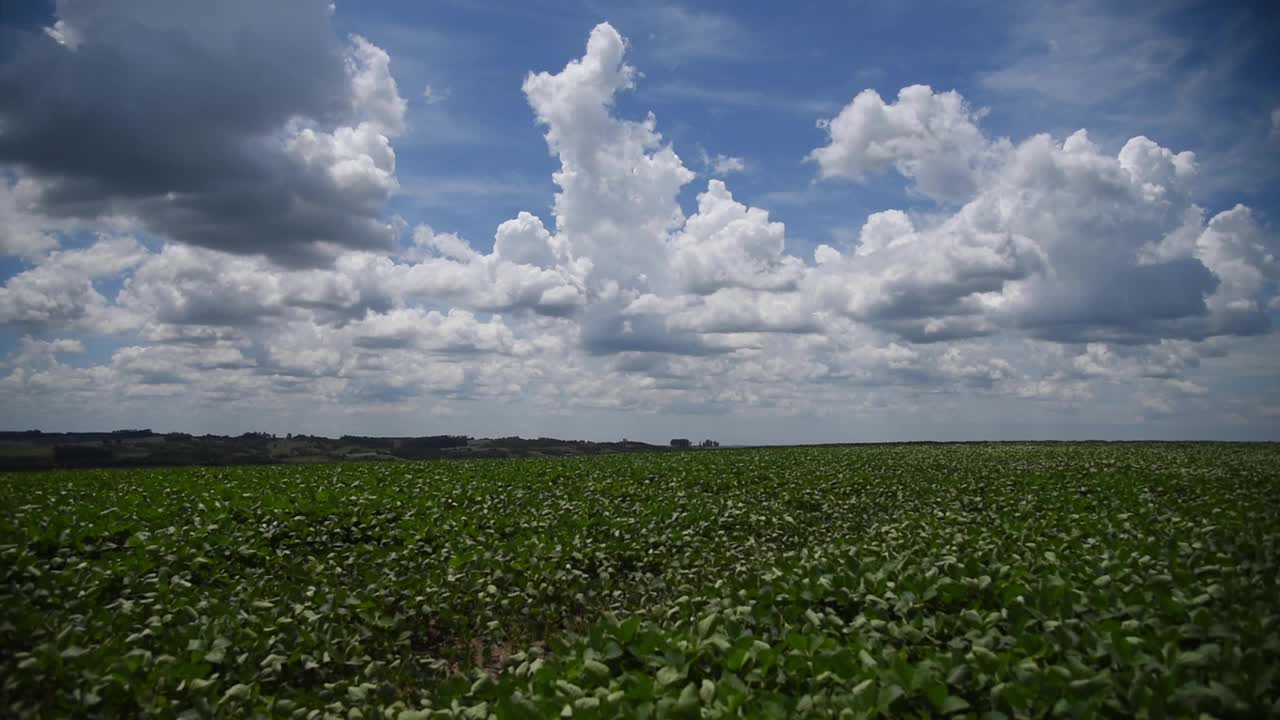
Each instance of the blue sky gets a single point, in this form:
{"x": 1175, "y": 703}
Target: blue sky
{"x": 285, "y": 220}
{"x": 751, "y": 79}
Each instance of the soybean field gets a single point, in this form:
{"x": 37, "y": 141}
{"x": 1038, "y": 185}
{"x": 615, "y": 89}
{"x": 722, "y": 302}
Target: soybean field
{"x": 1003, "y": 580}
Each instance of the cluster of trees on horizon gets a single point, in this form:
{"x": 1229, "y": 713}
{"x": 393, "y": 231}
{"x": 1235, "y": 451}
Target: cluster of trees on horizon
{"x": 433, "y": 441}
{"x": 685, "y": 443}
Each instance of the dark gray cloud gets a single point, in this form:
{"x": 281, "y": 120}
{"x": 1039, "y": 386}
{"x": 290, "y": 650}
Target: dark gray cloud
{"x": 1126, "y": 304}
{"x": 176, "y": 113}
{"x": 606, "y": 331}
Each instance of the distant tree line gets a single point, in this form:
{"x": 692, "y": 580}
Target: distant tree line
{"x": 36, "y": 450}
{"x": 685, "y": 443}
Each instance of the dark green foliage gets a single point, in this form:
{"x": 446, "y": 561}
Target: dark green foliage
{"x": 34, "y": 450}
{"x": 1081, "y": 580}
{"x": 82, "y": 455}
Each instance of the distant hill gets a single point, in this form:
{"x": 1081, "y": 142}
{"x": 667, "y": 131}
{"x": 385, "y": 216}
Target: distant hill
{"x": 35, "y": 450}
